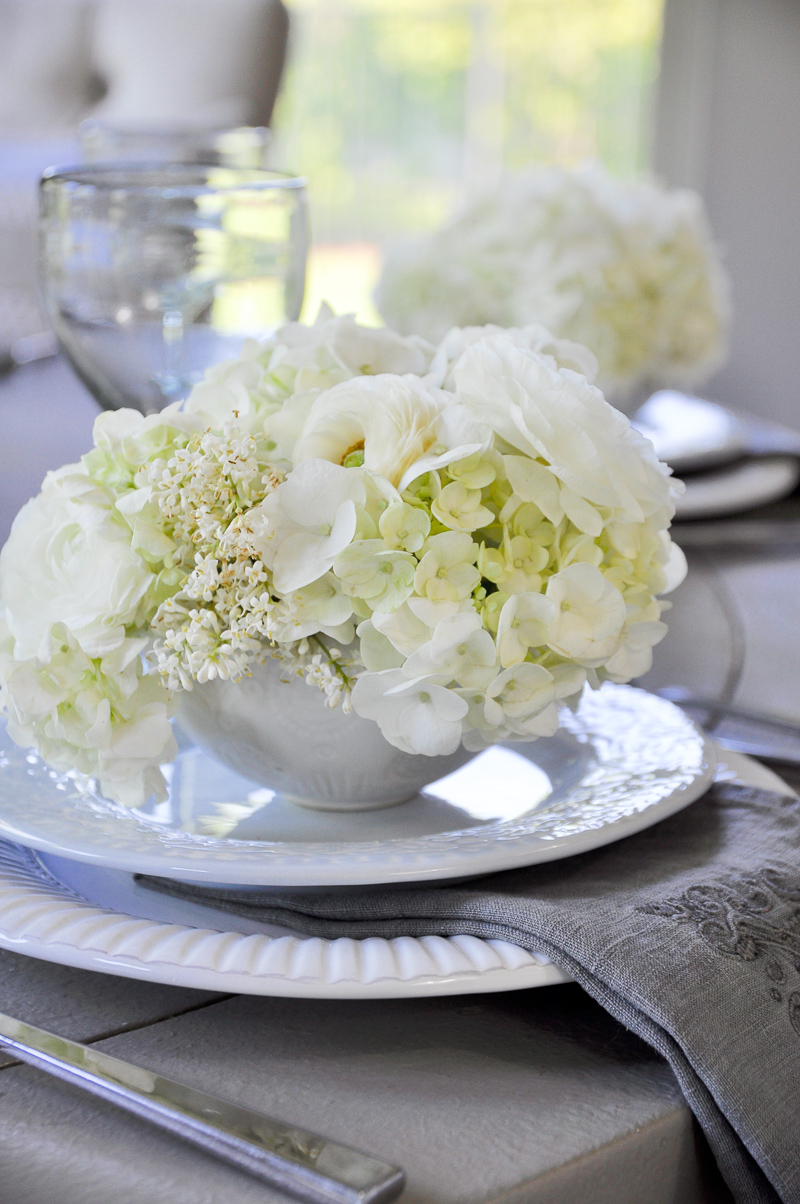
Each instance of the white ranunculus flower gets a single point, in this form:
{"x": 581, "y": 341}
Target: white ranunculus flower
{"x": 416, "y": 716}
{"x": 396, "y": 426}
{"x": 372, "y": 351}
{"x": 302, "y": 526}
{"x": 589, "y": 615}
{"x": 556, "y": 414}
{"x": 68, "y": 560}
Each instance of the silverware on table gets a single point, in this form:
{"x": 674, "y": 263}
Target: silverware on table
{"x": 759, "y": 734}
{"x": 305, "y": 1165}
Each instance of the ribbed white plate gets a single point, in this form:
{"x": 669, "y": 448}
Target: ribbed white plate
{"x": 99, "y": 919}
{"x": 626, "y": 760}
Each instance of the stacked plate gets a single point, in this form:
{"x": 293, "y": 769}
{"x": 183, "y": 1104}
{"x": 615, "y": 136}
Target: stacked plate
{"x": 70, "y": 859}
{"x": 730, "y": 464}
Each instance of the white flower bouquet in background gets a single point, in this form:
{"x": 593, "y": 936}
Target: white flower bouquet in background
{"x": 449, "y": 540}
{"x": 627, "y": 269}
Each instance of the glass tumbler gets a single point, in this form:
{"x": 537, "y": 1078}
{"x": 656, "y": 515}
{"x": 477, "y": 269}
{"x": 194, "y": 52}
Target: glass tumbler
{"x": 153, "y": 273}
{"x": 229, "y": 146}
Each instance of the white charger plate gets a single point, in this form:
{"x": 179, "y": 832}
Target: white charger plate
{"x": 94, "y": 918}
{"x": 626, "y": 760}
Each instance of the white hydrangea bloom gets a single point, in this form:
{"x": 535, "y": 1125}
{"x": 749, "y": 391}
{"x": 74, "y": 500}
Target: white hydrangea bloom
{"x": 525, "y": 623}
{"x": 459, "y": 649}
{"x": 460, "y": 508}
{"x": 589, "y": 615}
{"x": 555, "y": 414}
{"x": 380, "y": 576}
{"x": 417, "y": 716}
{"x": 454, "y": 541}
{"x": 303, "y": 525}
{"x": 532, "y": 337}
{"x": 99, "y": 715}
{"x": 626, "y": 269}
{"x": 446, "y": 572}
{"x": 522, "y": 698}
{"x": 405, "y": 527}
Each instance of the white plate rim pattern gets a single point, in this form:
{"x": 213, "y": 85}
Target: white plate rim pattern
{"x": 656, "y": 762}
{"x": 44, "y": 919}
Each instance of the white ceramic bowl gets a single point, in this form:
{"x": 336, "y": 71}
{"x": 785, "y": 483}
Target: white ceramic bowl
{"x": 284, "y": 736}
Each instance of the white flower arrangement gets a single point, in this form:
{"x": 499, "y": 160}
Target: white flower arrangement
{"x": 452, "y": 541}
{"x": 626, "y": 269}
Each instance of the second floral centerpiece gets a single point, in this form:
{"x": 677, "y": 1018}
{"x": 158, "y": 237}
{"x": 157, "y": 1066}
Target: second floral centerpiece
{"x": 448, "y": 541}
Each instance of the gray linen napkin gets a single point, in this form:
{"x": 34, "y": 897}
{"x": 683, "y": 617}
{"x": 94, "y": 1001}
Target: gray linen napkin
{"x": 688, "y": 933}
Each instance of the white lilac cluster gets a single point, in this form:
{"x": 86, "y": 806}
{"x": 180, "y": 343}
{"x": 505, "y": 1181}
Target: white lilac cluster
{"x": 627, "y": 269}
{"x": 451, "y": 539}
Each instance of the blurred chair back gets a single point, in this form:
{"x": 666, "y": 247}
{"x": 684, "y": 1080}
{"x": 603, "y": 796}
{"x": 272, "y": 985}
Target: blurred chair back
{"x": 139, "y": 62}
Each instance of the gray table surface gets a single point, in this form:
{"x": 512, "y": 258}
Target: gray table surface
{"x": 533, "y": 1096}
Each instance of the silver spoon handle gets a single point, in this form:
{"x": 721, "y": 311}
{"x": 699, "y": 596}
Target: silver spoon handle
{"x": 303, "y": 1164}
{"x": 684, "y": 698}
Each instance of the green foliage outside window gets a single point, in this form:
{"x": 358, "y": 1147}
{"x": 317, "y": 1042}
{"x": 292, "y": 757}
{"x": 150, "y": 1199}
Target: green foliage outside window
{"x": 398, "y": 109}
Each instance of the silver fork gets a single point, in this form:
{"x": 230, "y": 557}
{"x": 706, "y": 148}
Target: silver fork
{"x": 307, "y": 1166}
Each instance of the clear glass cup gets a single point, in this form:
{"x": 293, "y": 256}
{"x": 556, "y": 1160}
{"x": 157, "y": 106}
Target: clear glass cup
{"x": 153, "y": 273}
{"x": 229, "y": 146}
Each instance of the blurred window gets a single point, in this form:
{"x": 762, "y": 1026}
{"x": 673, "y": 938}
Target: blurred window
{"x": 398, "y": 109}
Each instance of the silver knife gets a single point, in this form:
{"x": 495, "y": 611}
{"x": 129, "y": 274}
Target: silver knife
{"x": 307, "y": 1166}
{"x": 762, "y": 735}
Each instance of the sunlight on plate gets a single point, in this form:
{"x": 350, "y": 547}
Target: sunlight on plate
{"x": 474, "y": 787}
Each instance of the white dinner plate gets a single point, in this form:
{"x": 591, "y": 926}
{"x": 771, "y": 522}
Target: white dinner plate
{"x": 99, "y": 919}
{"x": 691, "y": 433}
{"x": 738, "y": 488}
{"x": 626, "y": 760}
